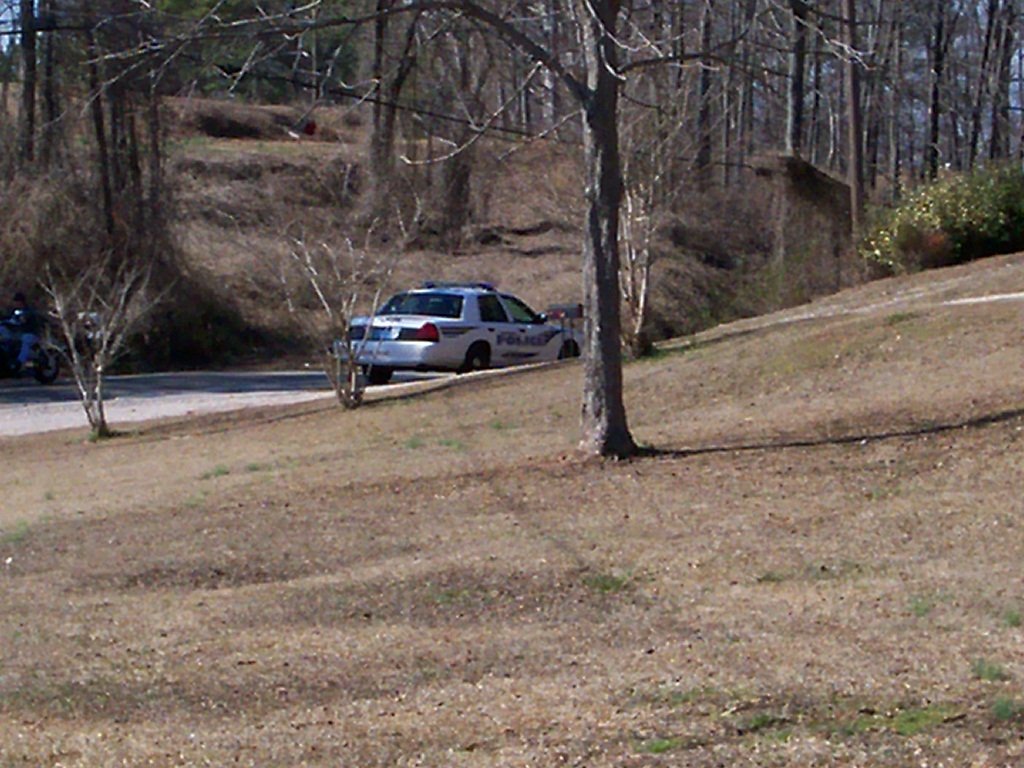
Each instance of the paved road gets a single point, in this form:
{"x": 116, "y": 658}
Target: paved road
{"x": 27, "y": 407}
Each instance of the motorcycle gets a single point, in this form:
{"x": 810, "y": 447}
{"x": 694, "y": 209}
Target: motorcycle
{"x": 43, "y": 362}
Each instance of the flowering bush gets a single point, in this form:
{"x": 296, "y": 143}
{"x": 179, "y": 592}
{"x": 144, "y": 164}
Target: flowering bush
{"x": 954, "y": 220}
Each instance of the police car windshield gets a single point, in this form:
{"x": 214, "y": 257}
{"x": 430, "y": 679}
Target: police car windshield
{"x": 430, "y": 304}
{"x": 519, "y": 311}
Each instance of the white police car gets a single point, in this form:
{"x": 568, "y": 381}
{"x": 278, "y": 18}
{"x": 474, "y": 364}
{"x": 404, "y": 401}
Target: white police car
{"x": 455, "y": 327}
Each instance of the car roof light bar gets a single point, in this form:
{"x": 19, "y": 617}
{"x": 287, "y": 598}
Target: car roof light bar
{"x": 478, "y": 285}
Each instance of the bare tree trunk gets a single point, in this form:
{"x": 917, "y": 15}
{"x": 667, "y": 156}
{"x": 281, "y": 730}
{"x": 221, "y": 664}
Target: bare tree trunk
{"x": 549, "y": 12}
{"x": 457, "y": 170}
{"x": 1000, "y": 146}
{"x": 99, "y": 128}
{"x": 954, "y": 150}
{"x": 381, "y": 142}
{"x": 895, "y": 105}
{"x": 50, "y": 108}
{"x": 525, "y": 103}
{"x": 854, "y": 124}
{"x": 678, "y": 42}
{"x": 116, "y": 135}
{"x": 704, "y": 109}
{"x": 155, "y": 195}
{"x": 816, "y": 140}
{"x": 385, "y": 108}
{"x": 938, "y": 61}
{"x": 605, "y": 431}
{"x": 28, "y": 86}
{"x": 380, "y": 32}
{"x": 980, "y": 90}
{"x": 878, "y": 46}
{"x": 798, "y": 56}
{"x": 134, "y": 168}
{"x": 749, "y": 106}
{"x": 456, "y": 205}
{"x": 5, "y": 94}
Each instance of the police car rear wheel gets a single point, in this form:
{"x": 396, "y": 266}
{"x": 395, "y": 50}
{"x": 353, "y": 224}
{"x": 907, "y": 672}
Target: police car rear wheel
{"x": 569, "y": 349}
{"x": 378, "y": 375}
{"x": 478, "y": 358}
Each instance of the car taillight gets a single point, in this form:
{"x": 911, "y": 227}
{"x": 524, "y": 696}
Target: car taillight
{"x": 428, "y": 332}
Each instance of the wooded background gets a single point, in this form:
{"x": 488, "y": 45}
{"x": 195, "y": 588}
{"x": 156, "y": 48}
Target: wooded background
{"x": 939, "y": 80}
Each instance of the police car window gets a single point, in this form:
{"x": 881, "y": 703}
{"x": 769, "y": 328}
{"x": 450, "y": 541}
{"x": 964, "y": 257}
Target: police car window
{"x": 430, "y": 304}
{"x": 491, "y": 310}
{"x": 519, "y": 311}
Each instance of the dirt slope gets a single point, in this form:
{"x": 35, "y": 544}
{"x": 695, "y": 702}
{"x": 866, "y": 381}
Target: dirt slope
{"x": 247, "y": 192}
{"x": 820, "y": 566}
{"x": 243, "y": 201}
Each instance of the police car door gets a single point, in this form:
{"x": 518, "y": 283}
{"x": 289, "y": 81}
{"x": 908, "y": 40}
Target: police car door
{"x": 535, "y": 340}
{"x": 502, "y": 335}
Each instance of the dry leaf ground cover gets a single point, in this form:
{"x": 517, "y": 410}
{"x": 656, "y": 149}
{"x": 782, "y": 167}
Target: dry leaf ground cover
{"x": 820, "y": 565}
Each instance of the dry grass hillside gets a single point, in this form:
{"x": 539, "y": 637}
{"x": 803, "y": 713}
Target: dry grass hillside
{"x": 249, "y": 184}
{"x": 819, "y": 565}
{"x": 243, "y": 201}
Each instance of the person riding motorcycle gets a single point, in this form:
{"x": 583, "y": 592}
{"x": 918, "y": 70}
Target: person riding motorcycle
{"x": 22, "y": 323}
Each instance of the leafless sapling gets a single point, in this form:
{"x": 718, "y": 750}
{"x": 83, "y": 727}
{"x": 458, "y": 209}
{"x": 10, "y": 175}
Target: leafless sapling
{"x": 341, "y": 281}
{"x": 97, "y": 310}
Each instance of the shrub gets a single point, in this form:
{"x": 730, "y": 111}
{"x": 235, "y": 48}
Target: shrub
{"x": 955, "y": 220}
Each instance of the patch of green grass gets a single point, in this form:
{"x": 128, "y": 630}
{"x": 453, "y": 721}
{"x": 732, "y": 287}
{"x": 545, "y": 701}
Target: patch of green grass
{"x": 1005, "y": 709}
{"x": 676, "y": 698}
{"x": 428, "y": 670}
{"x": 608, "y": 583}
{"x": 906, "y": 722}
{"x": 816, "y": 571}
{"x": 763, "y": 721}
{"x": 921, "y": 606}
{"x": 878, "y": 493}
{"x": 219, "y": 471}
{"x": 672, "y": 696}
{"x": 452, "y": 443}
{"x": 663, "y": 353}
{"x": 911, "y": 722}
{"x": 196, "y": 500}
{"x": 1012, "y": 618}
{"x": 501, "y": 426}
{"x": 415, "y": 442}
{"x": 862, "y": 724}
{"x": 451, "y": 596}
{"x": 660, "y": 746}
{"x": 898, "y": 318}
{"x": 49, "y": 496}
{"x": 255, "y": 466}
{"x": 989, "y": 671}
{"x": 15, "y": 535}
